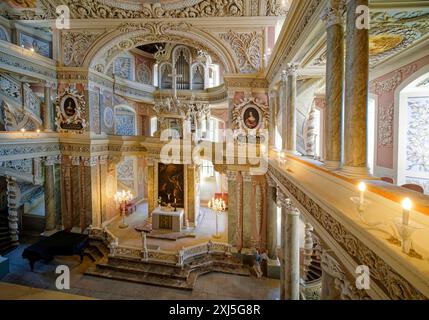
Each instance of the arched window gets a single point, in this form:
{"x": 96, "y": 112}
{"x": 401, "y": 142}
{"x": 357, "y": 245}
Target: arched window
{"x": 125, "y": 121}
{"x": 413, "y": 127}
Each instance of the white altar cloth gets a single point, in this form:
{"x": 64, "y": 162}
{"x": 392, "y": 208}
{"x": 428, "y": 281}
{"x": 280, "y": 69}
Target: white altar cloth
{"x": 162, "y": 218}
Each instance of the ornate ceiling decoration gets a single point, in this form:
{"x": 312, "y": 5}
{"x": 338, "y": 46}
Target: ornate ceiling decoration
{"x": 391, "y": 32}
{"x": 394, "y": 31}
{"x": 134, "y": 9}
{"x": 247, "y": 49}
{"x": 133, "y": 35}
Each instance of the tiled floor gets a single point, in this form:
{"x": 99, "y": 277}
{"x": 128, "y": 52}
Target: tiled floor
{"x": 211, "y": 286}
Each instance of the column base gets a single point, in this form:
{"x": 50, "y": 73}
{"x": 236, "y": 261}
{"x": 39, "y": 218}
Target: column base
{"x": 354, "y": 172}
{"x": 331, "y": 165}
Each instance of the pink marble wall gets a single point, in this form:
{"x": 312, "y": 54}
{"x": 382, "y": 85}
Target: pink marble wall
{"x": 384, "y": 88}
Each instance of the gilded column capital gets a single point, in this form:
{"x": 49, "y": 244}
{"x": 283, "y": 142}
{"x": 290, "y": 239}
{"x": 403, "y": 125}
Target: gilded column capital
{"x": 282, "y": 200}
{"x": 231, "y": 175}
{"x": 247, "y": 177}
{"x": 75, "y": 160}
{"x": 103, "y": 159}
{"x": 292, "y": 69}
{"x": 284, "y": 76}
{"x": 90, "y": 161}
{"x": 333, "y": 13}
{"x": 51, "y": 160}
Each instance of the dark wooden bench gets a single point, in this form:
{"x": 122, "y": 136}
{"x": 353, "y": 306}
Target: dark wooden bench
{"x": 61, "y": 243}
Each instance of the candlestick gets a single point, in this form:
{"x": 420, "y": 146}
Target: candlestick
{"x": 406, "y": 206}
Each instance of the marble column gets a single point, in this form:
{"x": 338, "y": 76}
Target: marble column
{"x": 292, "y": 274}
{"x": 272, "y": 129}
{"x": 47, "y": 108}
{"x": 283, "y": 106}
{"x": 291, "y": 72}
{"x": 49, "y": 188}
{"x": 248, "y": 194}
{"x": 282, "y": 202}
{"x": 232, "y": 206}
{"x": 272, "y": 218}
{"x": 13, "y": 199}
{"x": 103, "y": 188}
{"x": 356, "y": 94}
{"x": 66, "y": 187}
{"x": 151, "y": 186}
{"x": 333, "y": 18}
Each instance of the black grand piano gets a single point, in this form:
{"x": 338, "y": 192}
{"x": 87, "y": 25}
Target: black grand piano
{"x": 61, "y": 243}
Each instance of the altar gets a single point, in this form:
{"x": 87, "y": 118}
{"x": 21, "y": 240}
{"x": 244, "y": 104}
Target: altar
{"x": 167, "y": 219}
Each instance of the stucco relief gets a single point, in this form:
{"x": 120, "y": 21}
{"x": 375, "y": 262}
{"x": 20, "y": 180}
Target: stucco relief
{"x": 87, "y": 9}
{"x": 418, "y": 134}
{"x": 247, "y": 48}
{"x": 137, "y": 34}
{"x": 385, "y": 126}
{"x": 125, "y": 173}
{"x": 75, "y": 46}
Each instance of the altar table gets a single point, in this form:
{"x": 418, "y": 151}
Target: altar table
{"x": 163, "y": 218}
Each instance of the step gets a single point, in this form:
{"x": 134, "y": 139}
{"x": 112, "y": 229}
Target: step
{"x": 313, "y": 275}
{"x": 140, "y": 271}
{"x": 93, "y": 254}
{"x": 147, "y": 267}
{"x": 140, "y": 278}
{"x": 100, "y": 246}
{"x": 315, "y": 267}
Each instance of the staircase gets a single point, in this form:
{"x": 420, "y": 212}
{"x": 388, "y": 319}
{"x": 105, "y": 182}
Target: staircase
{"x": 159, "y": 274}
{"x": 6, "y": 243}
{"x": 311, "y": 281}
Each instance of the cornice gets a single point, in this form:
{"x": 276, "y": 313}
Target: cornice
{"x": 303, "y": 16}
{"x": 219, "y": 24}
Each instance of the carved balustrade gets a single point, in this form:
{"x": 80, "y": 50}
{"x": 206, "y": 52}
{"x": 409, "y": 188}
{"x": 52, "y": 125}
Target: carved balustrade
{"x": 365, "y": 239}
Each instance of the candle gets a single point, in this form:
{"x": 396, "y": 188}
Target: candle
{"x": 406, "y": 206}
{"x": 362, "y": 188}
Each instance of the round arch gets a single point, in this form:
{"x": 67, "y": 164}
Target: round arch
{"x": 400, "y": 125}
{"x": 130, "y": 35}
